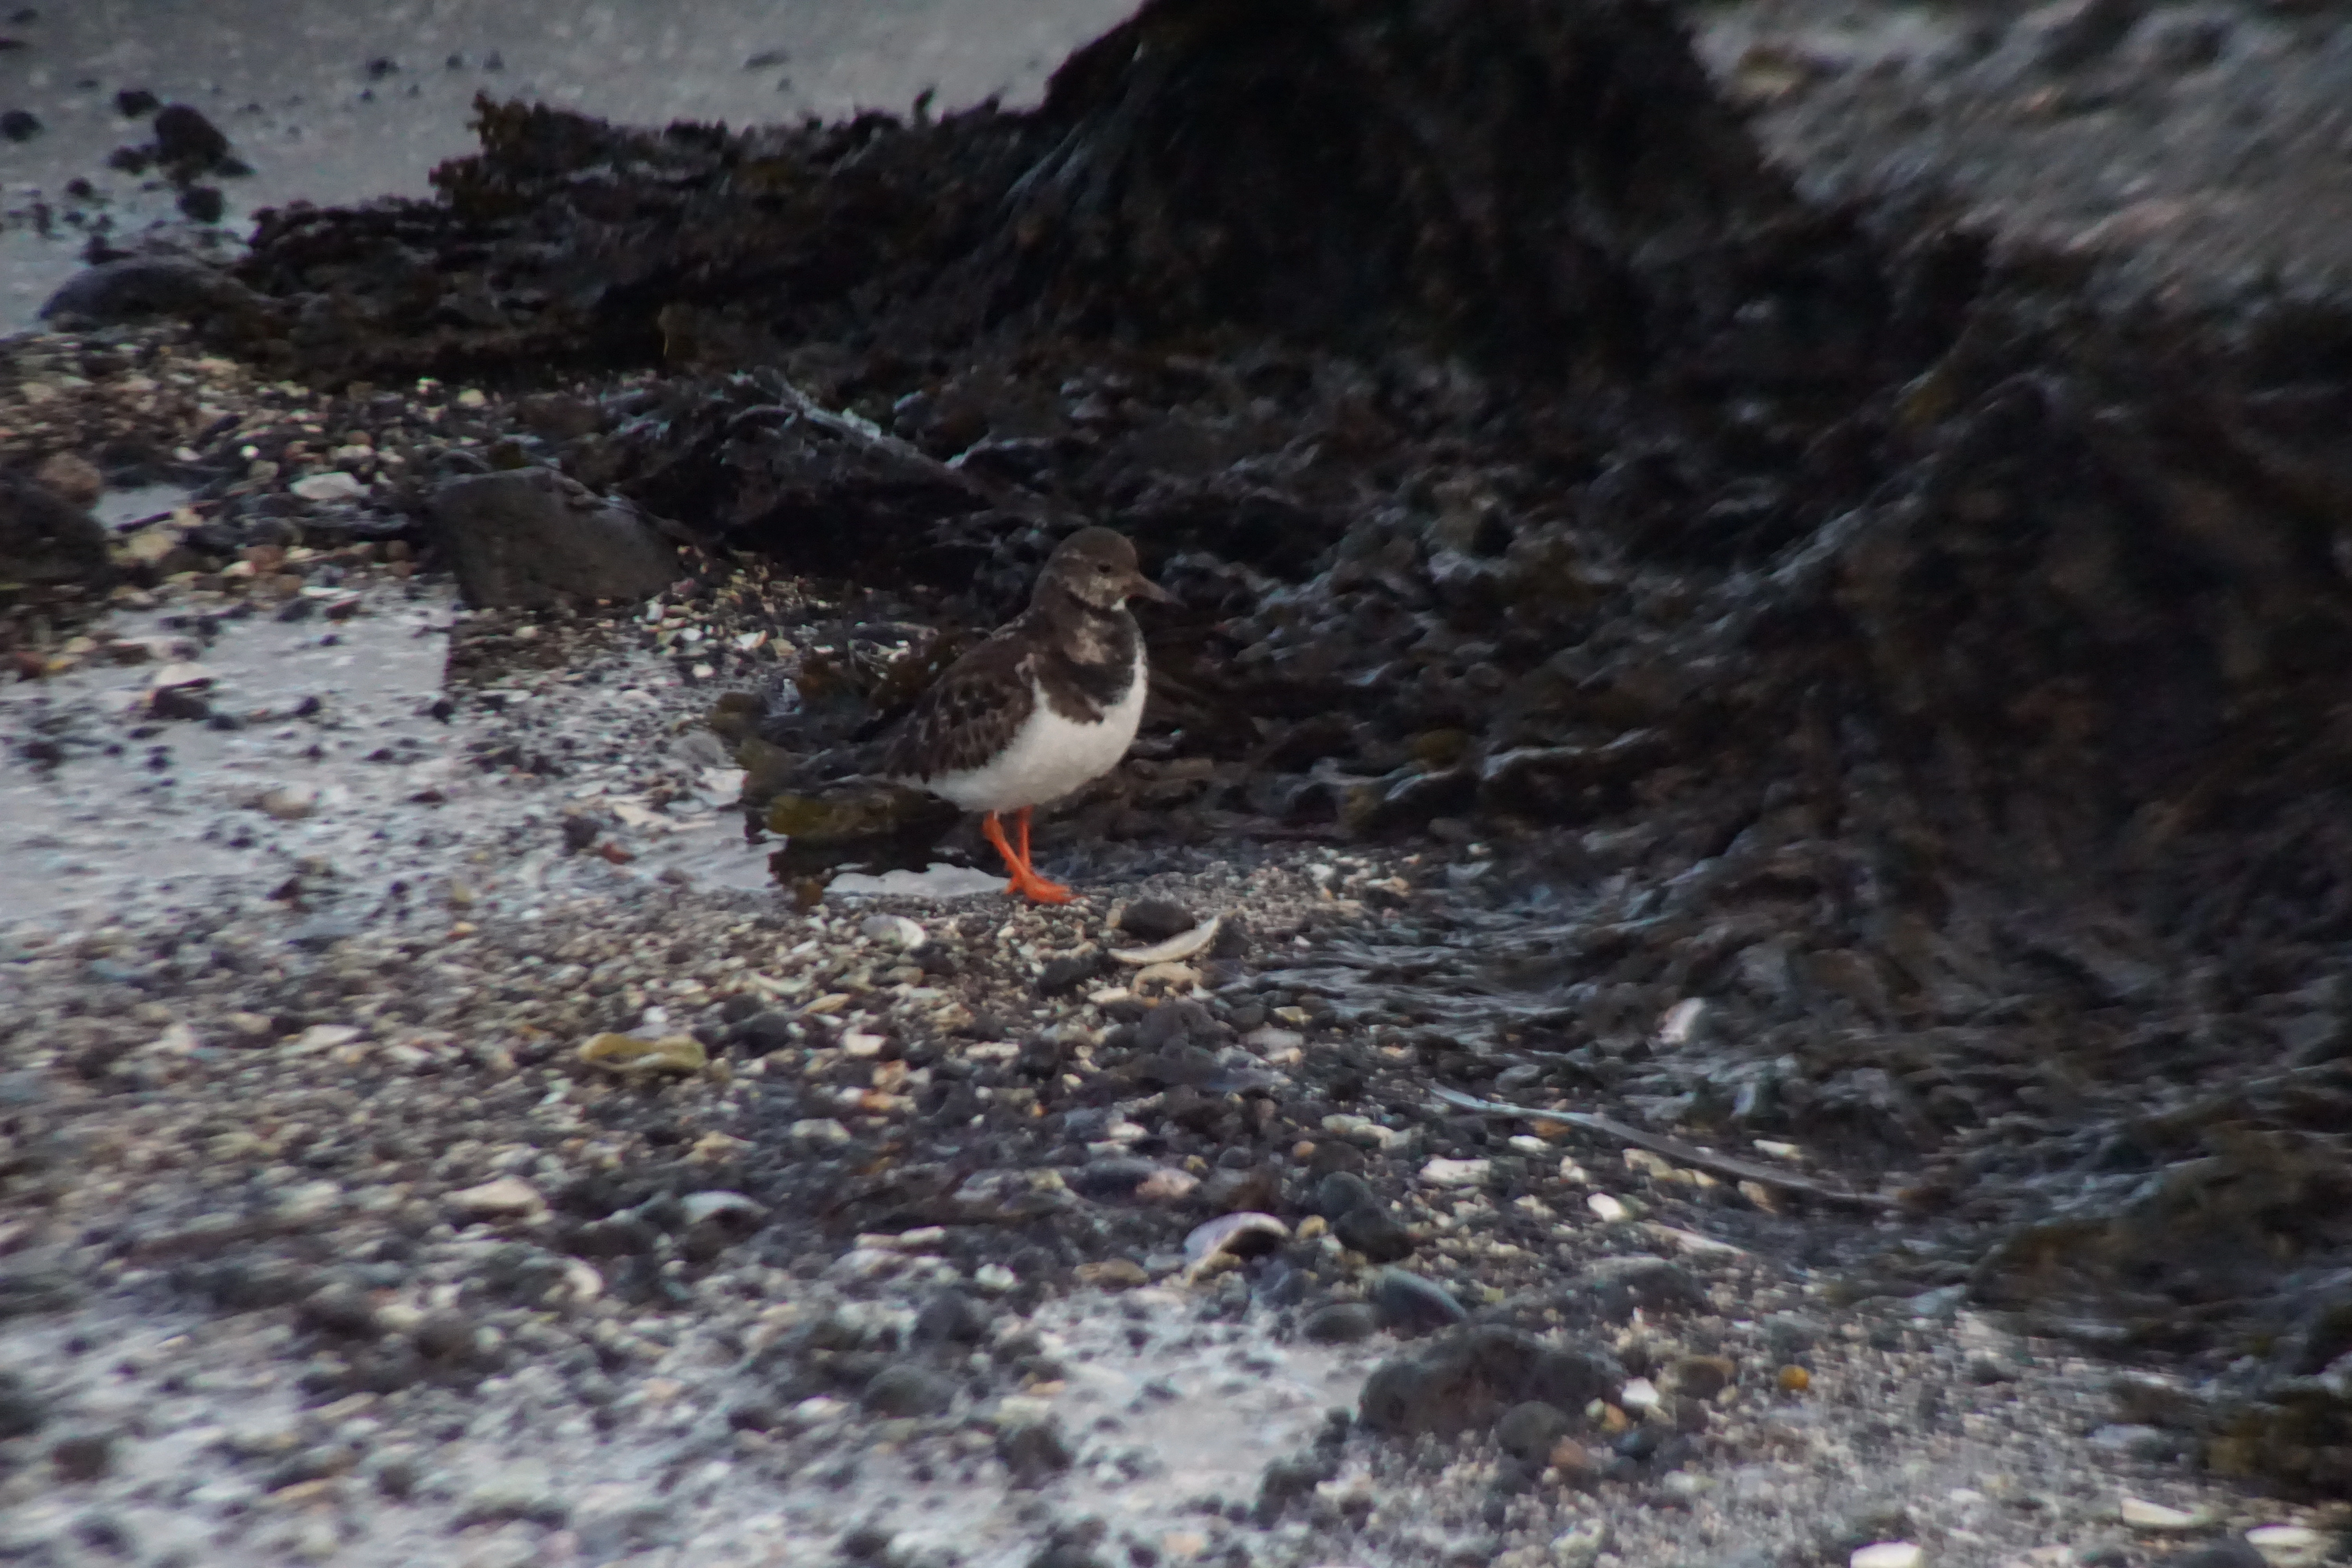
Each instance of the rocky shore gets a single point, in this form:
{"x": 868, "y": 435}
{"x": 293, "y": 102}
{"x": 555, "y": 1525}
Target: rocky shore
{"x": 1722, "y": 944}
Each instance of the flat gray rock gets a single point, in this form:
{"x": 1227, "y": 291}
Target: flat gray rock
{"x": 532, "y": 537}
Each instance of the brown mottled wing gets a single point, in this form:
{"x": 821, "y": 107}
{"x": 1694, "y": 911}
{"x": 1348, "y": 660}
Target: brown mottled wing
{"x": 967, "y": 716}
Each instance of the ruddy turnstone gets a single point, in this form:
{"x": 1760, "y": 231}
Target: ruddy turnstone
{"x": 1047, "y": 704}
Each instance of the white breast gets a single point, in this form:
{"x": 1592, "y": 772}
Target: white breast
{"x": 1049, "y": 756}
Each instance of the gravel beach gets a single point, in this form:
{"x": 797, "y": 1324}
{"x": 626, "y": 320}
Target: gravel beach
{"x": 1722, "y": 958}
{"x": 331, "y": 1237}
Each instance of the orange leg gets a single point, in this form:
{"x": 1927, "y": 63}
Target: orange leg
{"x": 1025, "y": 881}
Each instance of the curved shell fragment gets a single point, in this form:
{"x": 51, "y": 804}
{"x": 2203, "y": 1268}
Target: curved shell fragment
{"x": 1176, "y": 949}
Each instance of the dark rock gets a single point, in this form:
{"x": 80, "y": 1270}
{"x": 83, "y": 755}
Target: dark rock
{"x": 135, "y": 103}
{"x": 137, "y": 287}
{"x": 46, "y": 543}
{"x": 19, "y": 124}
{"x": 1528, "y": 1429}
{"x": 1375, "y": 1232}
{"x": 185, "y": 141}
{"x": 867, "y": 1543}
{"x": 1469, "y": 1377}
{"x": 1288, "y": 1479}
{"x": 22, "y": 1412}
{"x": 1408, "y": 1304}
{"x": 1342, "y": 1191}
{"x": 84, "y": 1457}
{"x": 908, "y": 1390}
{"x": 2076, "y": 38}
{"x": 1032, "y": 1450}
{"x": 1112, "y": 1179}
{"x": 340, "y": 1310}
{"x": 1616, "y": 1288}
{"x": 1341, "y": 1324}
{"x": 180, "y": 704}
{"x": 765, "y": 1032}
{"x": 1255, "y": 1189}
{"x": 104, "y": 1530}
{"x": 1068, "y": 1554}
{"x": 618, "y": 1235}
{"x": 533, "y": 537}
{"x": 444, "y": 1336}
{"x": 951, "y": 1318}
{"x": 241, "y": 1285}
{"x": 1156, "y": 919}
{"x": 202, "y": 203}
{"x": 1057, "y": 976}
{"x": 2230, "y": 1551}
{"x": 26, "y": 1291}
{"x": 1701, "y": 1376}
{"x": 1233, "y": 938}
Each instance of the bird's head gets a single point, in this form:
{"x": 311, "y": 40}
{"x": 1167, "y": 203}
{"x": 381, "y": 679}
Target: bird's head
{"x": 1097, "y": 567}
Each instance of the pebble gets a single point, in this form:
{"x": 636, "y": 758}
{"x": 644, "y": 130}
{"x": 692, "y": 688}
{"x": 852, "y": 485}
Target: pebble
{"x": 1032, "y": 1447}
{"x": 1057, "y": 976}
{"x": 1376, "y": 1233}
{"x": 1409, "y": 1304}
{"x": 2142, "y": 1514}
{"x": 2289, "y": 1545}
{"x": 2137, "y": 1442}
{"x": 333, "y": 485}
{"x": 1156, "y": 919}
{"x": 1441, "y": 1173}
{"x": 1578, "y": 1547}
{"x": 503, "y": 1197}
{"x": 524, "y": 1491}
{"x": 72, "y": 477}
{"x": 697, "y": 1207}
{"x": 1888, "y": 1554}
{"x": 1702, "y": 1376}
{"x": 908, "y": 1389}
{"x": 2230, "y": 1551}
{"x": 1340, "y": 1323}
{"x": 290, "y": 803}
{"x": 632, "y": 1055}
{"x": 22, "y": 1412}
{"x": 83, "y": 1457}
{"x": 896, "y": 931}
{"x": 1529, "y": 1429}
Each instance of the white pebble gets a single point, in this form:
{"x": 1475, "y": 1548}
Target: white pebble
{"x": 506, "y": 1197}
{"x": 2142, "y": 1514}
{"x": 1888, "y": 1554}
{"x": 1607, "y": 1207}
{"x": 1681, "y": 1021}
{"x": 2288, "y": 1545}
{"x": 334, "y": 485}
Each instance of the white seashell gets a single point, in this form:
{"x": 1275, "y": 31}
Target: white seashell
{"x": 1243, "y": 1235}
{"x": 1180, "y": 946}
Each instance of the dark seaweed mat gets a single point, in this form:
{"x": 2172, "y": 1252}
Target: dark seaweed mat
{"x": 1942, "y": 680}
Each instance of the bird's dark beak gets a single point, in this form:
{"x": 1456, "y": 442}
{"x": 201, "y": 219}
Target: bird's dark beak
{"x": 1143, "y": 587}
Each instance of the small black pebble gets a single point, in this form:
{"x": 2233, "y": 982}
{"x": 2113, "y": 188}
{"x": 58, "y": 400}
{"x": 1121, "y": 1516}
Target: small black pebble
{"x": 19, "y": 124}
{"x": 1156, "y": 919}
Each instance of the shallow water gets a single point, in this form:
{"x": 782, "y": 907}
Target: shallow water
{"x": 301, "y": 93}
{"x": 339, "y": 775}
{"x": 142, "y": 812}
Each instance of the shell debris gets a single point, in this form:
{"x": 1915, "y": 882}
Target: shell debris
{"x": 1176, "y": 949}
